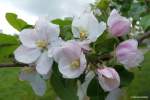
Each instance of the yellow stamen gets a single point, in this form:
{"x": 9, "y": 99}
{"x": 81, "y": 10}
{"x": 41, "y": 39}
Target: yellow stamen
{"x": 27, "y": 69}
{"x": 41, "y": 43}
{"x": 75, "y": 64}
{"x": 83, "y": 35}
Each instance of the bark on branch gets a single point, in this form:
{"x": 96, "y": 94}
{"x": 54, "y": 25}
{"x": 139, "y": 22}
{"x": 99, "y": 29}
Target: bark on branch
{"x": 12, "y": 65}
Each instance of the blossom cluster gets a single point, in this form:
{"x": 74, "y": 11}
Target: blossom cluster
{"x": 42, "y": 45}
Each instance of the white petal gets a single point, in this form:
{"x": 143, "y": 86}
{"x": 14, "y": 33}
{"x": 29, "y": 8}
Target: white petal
{"x": 68, "y": 72}
{"x": 47, "y": 30}
{"x": 82, "y": 88}
{"x": 79, "y": 23}
{"x": 95, "y": 30}
{"x": 88, "y": 23}
{"x": 85, "y": 45}
{"x": 28, "y": 37}
{"x": 54, "y": 46}
{"x": 44, "y": 64}
{"x": 37, "y": 83}
{"x": 26, "y": 55}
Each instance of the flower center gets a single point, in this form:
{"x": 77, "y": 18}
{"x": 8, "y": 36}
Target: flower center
{"x": 75, "y": 64}
{"x": 41, "y": 43}
{"x": 83, "y": 35}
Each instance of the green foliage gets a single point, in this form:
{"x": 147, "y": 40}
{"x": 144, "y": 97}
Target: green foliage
{"x": 145, "y": 22}
{"x": 104, "y": 44}
{"x": 15, "y": 22}
{"x": 136, "y": 10}
{"x": 103, "y": 4}
{"x": 94, "y": 91}
{"x": 11, "y": 88}
{"x": 66, "y": 89}
{"x": 126, "y": 77}
{"x": 140, "y": 84}
{"x": 8, "y": 44}
{"x": 65, "y": 27}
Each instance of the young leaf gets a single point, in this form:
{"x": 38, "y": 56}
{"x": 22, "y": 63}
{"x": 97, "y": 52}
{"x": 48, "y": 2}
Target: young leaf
{"x": 15, "y": 22}
{"x": 145, "y": 22}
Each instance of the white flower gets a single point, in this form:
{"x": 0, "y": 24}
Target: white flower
{"x": 127, "y": 53}
{"x": 35, "y": 43}
{"x": 118, "y": 25}
{"x": 108, "y": 78}
{"x": 71, "y": 60}
{"x": 38, "y": 84}
{"x": 87, "y": 27}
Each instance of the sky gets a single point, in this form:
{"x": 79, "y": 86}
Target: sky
{"x": 31, "y": 10}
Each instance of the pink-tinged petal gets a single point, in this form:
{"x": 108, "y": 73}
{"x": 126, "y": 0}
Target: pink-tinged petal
{"x": 130, "y": 44}
{"x": 26, "y": 55}
{"x": 118, "y": 25}
{"x": 28, "y": 37}
{"x": 67, "y": 71}
{"x": 131, "y": 59}
{"x": 69, "y": 53}
{"x": 108, "y": 79}
{"x": 69, "y": 50}
{"x": 127, "y": 53}
{"x": 44, "y": 64}
{"x": 85, "y": 45}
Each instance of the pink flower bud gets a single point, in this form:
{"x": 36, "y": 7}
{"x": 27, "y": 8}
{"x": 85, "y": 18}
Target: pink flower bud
{"x": 128, "y": 54}
{"x": 108, "y": 78}
{"x": 118, "y": 25}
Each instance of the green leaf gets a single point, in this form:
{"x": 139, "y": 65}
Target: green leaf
{"x": 66, "y": 89}
{"x": 103, "y": 4}
{"x": 105, "y": 44}
{"x": 126, "y": 77}
{"x": 94, "y": 91}
{"x": 8, "y": 44}
{"x": 65, "y": 27}
{"x": 136, "y": 10}
{"x": 66, "y": 21}
{"x": 145, "y": 22}
{"x": 15, "y": 22}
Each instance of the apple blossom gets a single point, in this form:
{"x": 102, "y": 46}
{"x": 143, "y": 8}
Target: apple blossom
{"x": 108, "y": 78}
{"x": 87, "y": 27}
{"x": 71, "y": 60}
{"x": 35, "y": 43}
{"x": 118, "y": 25}
{"x": 127, "y": 53}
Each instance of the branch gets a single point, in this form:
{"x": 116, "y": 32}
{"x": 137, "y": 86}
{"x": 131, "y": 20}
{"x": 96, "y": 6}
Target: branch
{"x": 12, "y": 65}
{"x": 145, "y": 36}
